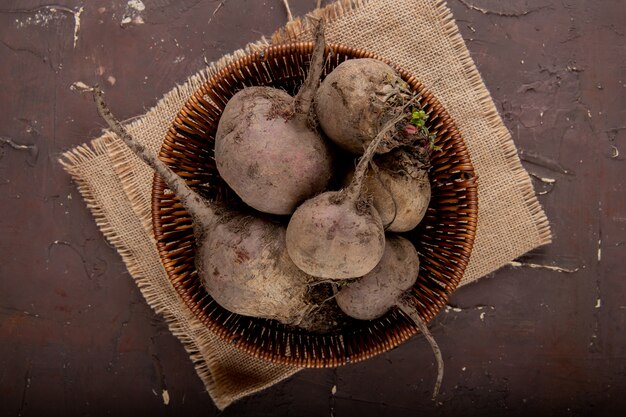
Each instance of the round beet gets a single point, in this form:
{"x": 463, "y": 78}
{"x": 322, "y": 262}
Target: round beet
{"x": 366, "y": 93}
{"x": 339, "y": 234}
{"x": 272, "y": 160}
{"x": 244, "y": 265}
{"x": 331, "y": 236}
{"x": 266, "y": 148}
{"x": 376, "y": 292}
{"x": 389, "y": 286}
{"x": 400, "y": 190}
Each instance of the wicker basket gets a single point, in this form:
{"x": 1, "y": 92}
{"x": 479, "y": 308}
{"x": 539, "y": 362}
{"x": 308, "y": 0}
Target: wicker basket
{"x": 443, "y": 240}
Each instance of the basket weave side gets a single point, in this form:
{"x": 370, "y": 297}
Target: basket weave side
{"x": 443, "y": 240}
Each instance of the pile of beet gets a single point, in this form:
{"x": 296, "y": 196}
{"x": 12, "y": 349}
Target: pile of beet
{"x": 329, "y": 178}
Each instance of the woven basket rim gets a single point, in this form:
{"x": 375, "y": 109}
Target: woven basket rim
{"x": 468, "y": 181}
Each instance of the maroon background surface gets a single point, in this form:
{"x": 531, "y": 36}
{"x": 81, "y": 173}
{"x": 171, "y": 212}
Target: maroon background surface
{"x": 76, "y": 337}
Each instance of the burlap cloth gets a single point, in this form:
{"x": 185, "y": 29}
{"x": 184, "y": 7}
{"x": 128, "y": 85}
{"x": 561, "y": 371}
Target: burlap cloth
{"x": 421, "y": 36}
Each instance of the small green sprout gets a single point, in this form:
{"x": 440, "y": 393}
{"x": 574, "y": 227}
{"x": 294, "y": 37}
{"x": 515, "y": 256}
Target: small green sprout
{"x": 417, "y": 123}
{"x": 418, "y": 118}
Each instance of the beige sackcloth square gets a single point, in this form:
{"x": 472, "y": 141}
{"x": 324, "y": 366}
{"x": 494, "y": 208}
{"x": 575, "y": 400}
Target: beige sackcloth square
{"x": 117, "y": 186}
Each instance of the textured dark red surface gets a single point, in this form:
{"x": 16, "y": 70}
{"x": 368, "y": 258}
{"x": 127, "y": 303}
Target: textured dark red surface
{"x": 76, "y": 337}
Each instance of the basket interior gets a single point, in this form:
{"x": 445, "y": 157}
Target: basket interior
{"x": 443, "y": 239}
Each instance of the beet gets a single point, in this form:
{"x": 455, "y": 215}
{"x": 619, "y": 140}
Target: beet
{"x": 267, "y": 148}
{"x": 376, "y": 292}
{"x": 400, "y": 189}
{"x": 356, "y": 99}
{"x": 387, "y": 286}
{"x": 339, "y": 234}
